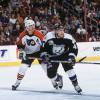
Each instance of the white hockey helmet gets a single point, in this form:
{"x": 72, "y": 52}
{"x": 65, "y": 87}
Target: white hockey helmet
{"x": 29, "y": 22}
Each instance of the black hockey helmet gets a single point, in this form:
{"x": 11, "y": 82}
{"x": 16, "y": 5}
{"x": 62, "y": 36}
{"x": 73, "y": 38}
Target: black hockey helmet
{"x": 58, "y": 26}
{"x": 59, "y": 31}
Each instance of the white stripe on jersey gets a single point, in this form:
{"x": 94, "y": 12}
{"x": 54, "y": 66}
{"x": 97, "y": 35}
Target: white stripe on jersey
{"x": 49, "y": 36}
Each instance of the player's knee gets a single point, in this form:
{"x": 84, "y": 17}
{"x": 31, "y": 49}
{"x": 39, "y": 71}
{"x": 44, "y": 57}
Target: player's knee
{"x": 28, "y": 62}
{"x": 23, "y": 68}
{"x": 51, "y": 75}
{"x": 67, "y": 68}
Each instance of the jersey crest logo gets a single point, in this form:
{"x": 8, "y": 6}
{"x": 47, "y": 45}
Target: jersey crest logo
{"x": 58, "y": 49}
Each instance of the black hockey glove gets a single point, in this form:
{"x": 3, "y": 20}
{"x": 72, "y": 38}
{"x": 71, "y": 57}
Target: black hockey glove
{"x": 45, "y": 57}
{"x": 71, "y": 60}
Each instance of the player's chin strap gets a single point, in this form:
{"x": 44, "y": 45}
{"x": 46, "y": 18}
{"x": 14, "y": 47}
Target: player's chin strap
{"x": 79, "y": 61}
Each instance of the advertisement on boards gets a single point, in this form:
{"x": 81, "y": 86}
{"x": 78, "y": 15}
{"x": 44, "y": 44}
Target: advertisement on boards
{"x": 8, "y": 53}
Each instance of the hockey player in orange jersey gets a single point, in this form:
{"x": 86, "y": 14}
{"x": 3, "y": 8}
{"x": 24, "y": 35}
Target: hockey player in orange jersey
{"x": 29, "y": 44}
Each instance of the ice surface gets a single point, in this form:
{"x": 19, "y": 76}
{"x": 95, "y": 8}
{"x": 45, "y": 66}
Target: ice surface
{"x": 36, "y": 85}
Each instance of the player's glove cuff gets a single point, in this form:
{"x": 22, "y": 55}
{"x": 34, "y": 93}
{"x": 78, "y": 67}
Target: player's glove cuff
{"x": 71, "y": 60}
{"x": 22, "y": 54}
{"x": 45, "y": 57}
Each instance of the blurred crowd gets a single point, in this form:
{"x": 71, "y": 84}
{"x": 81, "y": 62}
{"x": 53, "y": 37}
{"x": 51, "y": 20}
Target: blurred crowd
{"x": 80, "y": 18}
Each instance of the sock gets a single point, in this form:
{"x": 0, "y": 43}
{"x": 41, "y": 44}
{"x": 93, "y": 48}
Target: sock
{"x": 72, "y": 76}
{"x": 23, "y": 68}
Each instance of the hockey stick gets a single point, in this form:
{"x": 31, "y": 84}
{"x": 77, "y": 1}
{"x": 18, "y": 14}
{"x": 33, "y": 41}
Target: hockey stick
{"x": 79, "y": 61}
{"x": 68, "y": 61}
{"x": 90, "y": 63}
{"x": 59, "y": 60}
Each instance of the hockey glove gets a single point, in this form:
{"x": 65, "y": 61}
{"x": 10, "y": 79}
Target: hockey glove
{"x": 71, "y": 60}
{"x": 22, "y": 54}
{"x": 45, "y": 57}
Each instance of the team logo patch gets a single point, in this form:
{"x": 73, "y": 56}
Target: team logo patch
{"x": 33, "y": 42}
{"x": 58, "y": 49}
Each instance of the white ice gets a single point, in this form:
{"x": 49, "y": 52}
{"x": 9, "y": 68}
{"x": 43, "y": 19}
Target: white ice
{"x": 36, "y": 85}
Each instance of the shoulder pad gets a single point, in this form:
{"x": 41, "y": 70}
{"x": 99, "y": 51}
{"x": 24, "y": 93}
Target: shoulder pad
{"x": 49, "y": 35}
{"x": 68, "y": 36}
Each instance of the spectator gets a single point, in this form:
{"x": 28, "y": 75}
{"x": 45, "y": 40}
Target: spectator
{"x": 12, "y": 19}
{"x": 92, "y": 39}
{"x": 69, "y": 13}
{"x": 81, "y": 33}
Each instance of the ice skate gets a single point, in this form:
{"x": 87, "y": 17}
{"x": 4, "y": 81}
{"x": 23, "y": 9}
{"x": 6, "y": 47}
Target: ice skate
{"x": 15, "y": 86}
{"x": 77, "y": 87}
{"x": 58, "y": 83}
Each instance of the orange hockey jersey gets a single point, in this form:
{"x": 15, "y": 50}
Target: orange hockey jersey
{"x": 22, "y": 34}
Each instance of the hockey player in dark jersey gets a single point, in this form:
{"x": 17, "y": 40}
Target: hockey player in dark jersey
{"x": 60, "y": 46}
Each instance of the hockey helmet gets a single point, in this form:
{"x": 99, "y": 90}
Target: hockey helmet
{"x": 29, "y": 22}
{"x": 58, "y": 26}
